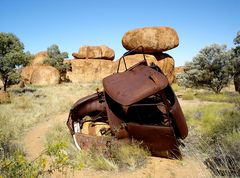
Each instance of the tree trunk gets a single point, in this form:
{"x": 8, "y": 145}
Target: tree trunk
{"x": 237, "y": 82}
{"x": 5, "y": 81}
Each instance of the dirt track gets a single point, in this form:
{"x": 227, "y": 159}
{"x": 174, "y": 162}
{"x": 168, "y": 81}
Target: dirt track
{"x": 155, "y": 168}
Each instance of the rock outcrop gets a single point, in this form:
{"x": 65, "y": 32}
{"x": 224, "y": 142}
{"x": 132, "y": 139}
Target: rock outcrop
{"x": 162, "y": 60}
{"x": 27, "y": 73}
{"x": 167, "y": 64}
{"x": 95, "y": 52}
{"x": 134, "y": 59}
{"x": 4, "y": 97}
{"x": 45, "y": 75}
{"x": 95, "y": 62}
{"x": 85, "y": 70}
{"x": 39, "y": 58}
{"x": 152, "y": 39}
{"x": 38, "y": 73}
{"x": 179, "y": 70}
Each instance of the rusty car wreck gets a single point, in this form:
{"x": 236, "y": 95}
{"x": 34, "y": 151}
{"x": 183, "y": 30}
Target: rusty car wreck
{"x": 138, "y": 104}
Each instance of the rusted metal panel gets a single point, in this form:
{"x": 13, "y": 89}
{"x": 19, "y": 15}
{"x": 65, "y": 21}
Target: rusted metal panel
{"x": 134, "y": 85}
{"x": 87, "y": 141}
{"x": 117, "y": 125}
{"x": 155, "y": 138}
{"x": 87, "y": 106}
{"x": 181, "y": 128}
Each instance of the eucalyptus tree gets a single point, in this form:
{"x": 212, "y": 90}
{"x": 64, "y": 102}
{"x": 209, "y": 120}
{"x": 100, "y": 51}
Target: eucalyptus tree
{"x": 211, "y": 68}
{"x": 56, "y": 59}
{"x": 236, "y": 62}
{"x": 12, "y": 56}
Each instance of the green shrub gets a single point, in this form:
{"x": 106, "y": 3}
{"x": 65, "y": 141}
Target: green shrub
{"x": 211, "y": 68}
{"x": 28, "y": 107}
{"x": 230, "y": 97}
{"x": 14, "y": 78}
{"x": 56, "y": 59}
{"x": 231, "y": 143}
{"x": 116, "y": 157}
{"x": 188, "y": 96}
{"x": 176, "y": 87}
{"x": 228, "y": 123}
{"x": 99, "y": 159}
{"x": 17, "y": 165}
{"x": 206, "y": 115}
{"x": 215, "y": 133}
{"x": 226, "y": 133}
{"x": 129, "y": 156}
{"x": 61, "y": 148}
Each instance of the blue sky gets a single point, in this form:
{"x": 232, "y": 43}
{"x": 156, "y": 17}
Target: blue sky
{"x": 72, "y": 23}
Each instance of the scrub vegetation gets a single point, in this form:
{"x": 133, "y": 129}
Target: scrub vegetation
{"x": 33, "y": 105}
{"x": 214, "y": 132}
{"x": 28, "y": 107}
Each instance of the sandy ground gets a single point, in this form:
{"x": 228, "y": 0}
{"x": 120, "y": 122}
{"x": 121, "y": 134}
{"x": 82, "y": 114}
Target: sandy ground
{"x": 155, "y": 167}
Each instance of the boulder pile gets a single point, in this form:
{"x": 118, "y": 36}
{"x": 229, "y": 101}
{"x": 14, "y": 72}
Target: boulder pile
{"x": 91, "y": 63}
{"x": 95, "y": 62}
{"x": 37, "y": 73}
{"x": 95, "y": 52}
{"x": 154, "y": 40}
{"x": 162, "y": 60}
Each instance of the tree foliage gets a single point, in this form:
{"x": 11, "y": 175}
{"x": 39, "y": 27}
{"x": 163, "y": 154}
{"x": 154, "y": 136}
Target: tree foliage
{"x": 237, "y": 39}
{"x": 237, "y": 49}
{"x": 12, "y": 56}
{"x": 211, "y": 68}
{"x": 56, "y": 59}
{"x": 236, "y": 62}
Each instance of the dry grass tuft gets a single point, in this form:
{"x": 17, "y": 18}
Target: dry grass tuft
{"x": 114, "y": 158}
{"x": 214, "y": 138}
